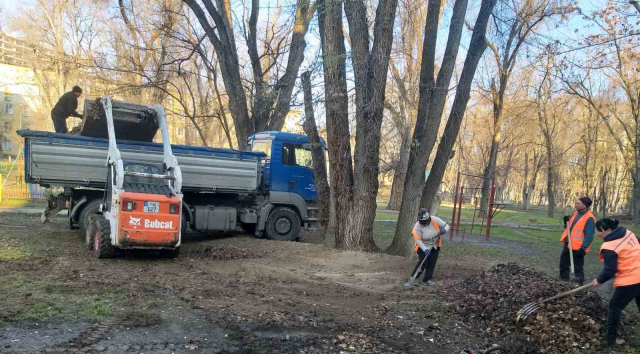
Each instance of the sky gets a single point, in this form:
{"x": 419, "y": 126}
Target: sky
{"x": 568, "y": 34}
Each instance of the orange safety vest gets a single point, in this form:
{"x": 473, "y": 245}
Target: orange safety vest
{"x": 628, "y": 251}
{"x": 419, "y": 237}
{"x": 577, "y": 232}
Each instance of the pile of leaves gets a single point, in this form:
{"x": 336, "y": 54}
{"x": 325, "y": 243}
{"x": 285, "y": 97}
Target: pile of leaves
{"x": 490, "y": 301}
{"x": 223, "y": 253}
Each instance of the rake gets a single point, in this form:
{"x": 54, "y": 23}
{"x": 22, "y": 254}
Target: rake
{"x": 530, "y": 308}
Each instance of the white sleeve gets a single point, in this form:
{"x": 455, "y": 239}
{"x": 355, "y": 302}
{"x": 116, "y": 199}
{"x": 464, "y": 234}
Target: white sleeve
{"x": 441, "y": 223}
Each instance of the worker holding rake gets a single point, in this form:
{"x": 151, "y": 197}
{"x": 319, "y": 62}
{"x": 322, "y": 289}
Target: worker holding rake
{"x": 426, "y": 235}
{"x": 620, "y": 253}
{"x": 581, "y": 227}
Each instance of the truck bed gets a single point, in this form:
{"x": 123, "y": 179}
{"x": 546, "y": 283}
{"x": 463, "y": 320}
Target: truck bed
{"x": 65, "y": 160}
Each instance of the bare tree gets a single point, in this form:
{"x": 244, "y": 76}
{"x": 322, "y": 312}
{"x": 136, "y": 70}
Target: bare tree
{"x": 354, "y": 189}
{"x": 271, "y": 101}
{"x": 431, "y": 105}
{"x": 317, "y": 151}
{"x": 516, "y": 21}
{"x": 445, "y": 148}
{"x": 405, "y": 63}
{"x": 552, "y": 111}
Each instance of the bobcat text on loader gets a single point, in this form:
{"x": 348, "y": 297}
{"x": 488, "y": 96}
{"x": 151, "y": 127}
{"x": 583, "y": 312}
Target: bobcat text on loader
{"x": 141, "y": 208}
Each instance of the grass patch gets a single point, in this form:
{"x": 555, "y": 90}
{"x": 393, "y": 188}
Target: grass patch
{"x": 99, "y": 309}
{"x": 21, "y": 203}
{"x": 383, "y": 233}
{"x": 25, "y": 297}
{"x": 65, "y": 307}
{"x": 386, "y": 216}
{"x": 13, "y": 253}
{"x": 539, "y": 219}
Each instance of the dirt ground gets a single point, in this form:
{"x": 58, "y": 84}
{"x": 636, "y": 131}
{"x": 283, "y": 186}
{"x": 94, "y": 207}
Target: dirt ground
{"x": 224, "y": 294}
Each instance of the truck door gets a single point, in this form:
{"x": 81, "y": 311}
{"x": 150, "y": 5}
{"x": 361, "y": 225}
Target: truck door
{"x": 301, "y": 178}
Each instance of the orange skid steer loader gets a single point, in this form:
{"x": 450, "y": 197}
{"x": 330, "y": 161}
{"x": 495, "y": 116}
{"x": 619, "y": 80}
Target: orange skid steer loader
{"x": 142, "y": 202}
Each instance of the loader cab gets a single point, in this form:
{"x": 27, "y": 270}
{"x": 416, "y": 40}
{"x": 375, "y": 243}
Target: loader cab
{"x": 288, "y": 166}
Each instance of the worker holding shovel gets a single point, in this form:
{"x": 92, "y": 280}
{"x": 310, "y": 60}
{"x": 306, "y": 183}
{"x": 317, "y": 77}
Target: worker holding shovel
{"x": 620, "y": 253}
{"x": 581, "y": 227}
{"x": 426, "y": 235}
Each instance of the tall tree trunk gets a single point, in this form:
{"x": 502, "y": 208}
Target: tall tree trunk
{"x": 317, "y": 151}
{"x": 490, "y": 169}
{"x": 432, "y": 94}
{"x": 636, "y": 200}
{"x": 370, "y": 72}
{"x": 525, "y": 187}
{"x": 477, "y": 47}
{"x": 395, "y": 200}
{"x": 550, "y": 185}
{"x": 505, "y": 178}
{"x": 430, "y": 107}
{"x": 337, "y": 103}
{"x": 603, "y": 193}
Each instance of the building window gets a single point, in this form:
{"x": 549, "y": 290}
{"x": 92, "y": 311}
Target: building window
{"x": 8, "y": 108}
{"x": 6, "y": 126}
{"x": 180, "y": 131}
{"x": 26, "y": 112}
{"x": 7, "y": 145}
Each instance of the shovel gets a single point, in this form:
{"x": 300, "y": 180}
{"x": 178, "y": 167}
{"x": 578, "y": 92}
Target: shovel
{"x": 415, "y": 275}
{"x": 572, "y": 269}
{"x": 530, "y": 308}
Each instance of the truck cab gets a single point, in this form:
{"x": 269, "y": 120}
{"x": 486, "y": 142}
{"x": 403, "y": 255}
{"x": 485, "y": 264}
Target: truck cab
{"x": 288, "y": 171}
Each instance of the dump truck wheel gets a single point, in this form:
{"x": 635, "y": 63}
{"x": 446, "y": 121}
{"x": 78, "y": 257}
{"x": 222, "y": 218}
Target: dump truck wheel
{"x": 90, "y": 231}
{"x": 102, "y": 247}
{"x": 91, "y": 208}
{"x": 283, "y": 224}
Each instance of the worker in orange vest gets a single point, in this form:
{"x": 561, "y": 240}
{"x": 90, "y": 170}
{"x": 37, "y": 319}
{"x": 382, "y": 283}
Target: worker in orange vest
{"x": 620, "y": 253}
{"x": 426, "y": 236}
{"x": 582, "y": 225}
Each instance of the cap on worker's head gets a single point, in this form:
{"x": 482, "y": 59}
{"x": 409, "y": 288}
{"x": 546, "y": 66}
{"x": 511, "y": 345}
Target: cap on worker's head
{"x": 586, "y": 201}
{"x": 76, "y": 89}
{"x": 423, "y": 216}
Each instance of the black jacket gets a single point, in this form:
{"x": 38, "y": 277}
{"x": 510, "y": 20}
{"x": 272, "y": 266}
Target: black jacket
{"x": 611, "y": 257}
{"x": 66, "y": 106}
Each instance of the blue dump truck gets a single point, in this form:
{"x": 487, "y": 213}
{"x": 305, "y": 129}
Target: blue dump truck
{"x": 269, "y": 191}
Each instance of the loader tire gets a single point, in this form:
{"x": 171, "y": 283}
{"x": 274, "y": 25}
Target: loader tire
{"x": 89, "y": 209}
{"x": 102, "y": 247}
{"x": 90, "y": 231}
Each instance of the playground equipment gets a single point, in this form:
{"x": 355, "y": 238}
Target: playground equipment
{"x": 458, "y": 198}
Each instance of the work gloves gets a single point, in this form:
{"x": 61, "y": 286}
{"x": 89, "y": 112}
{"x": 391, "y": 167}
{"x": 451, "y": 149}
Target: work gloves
{"x": 566, "y": 219}
{"x": 442, "y": 231}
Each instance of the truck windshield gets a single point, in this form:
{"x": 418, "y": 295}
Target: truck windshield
{"x": 262, "y": 146}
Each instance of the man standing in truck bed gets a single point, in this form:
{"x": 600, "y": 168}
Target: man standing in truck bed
{"x": 66, "y": 107}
